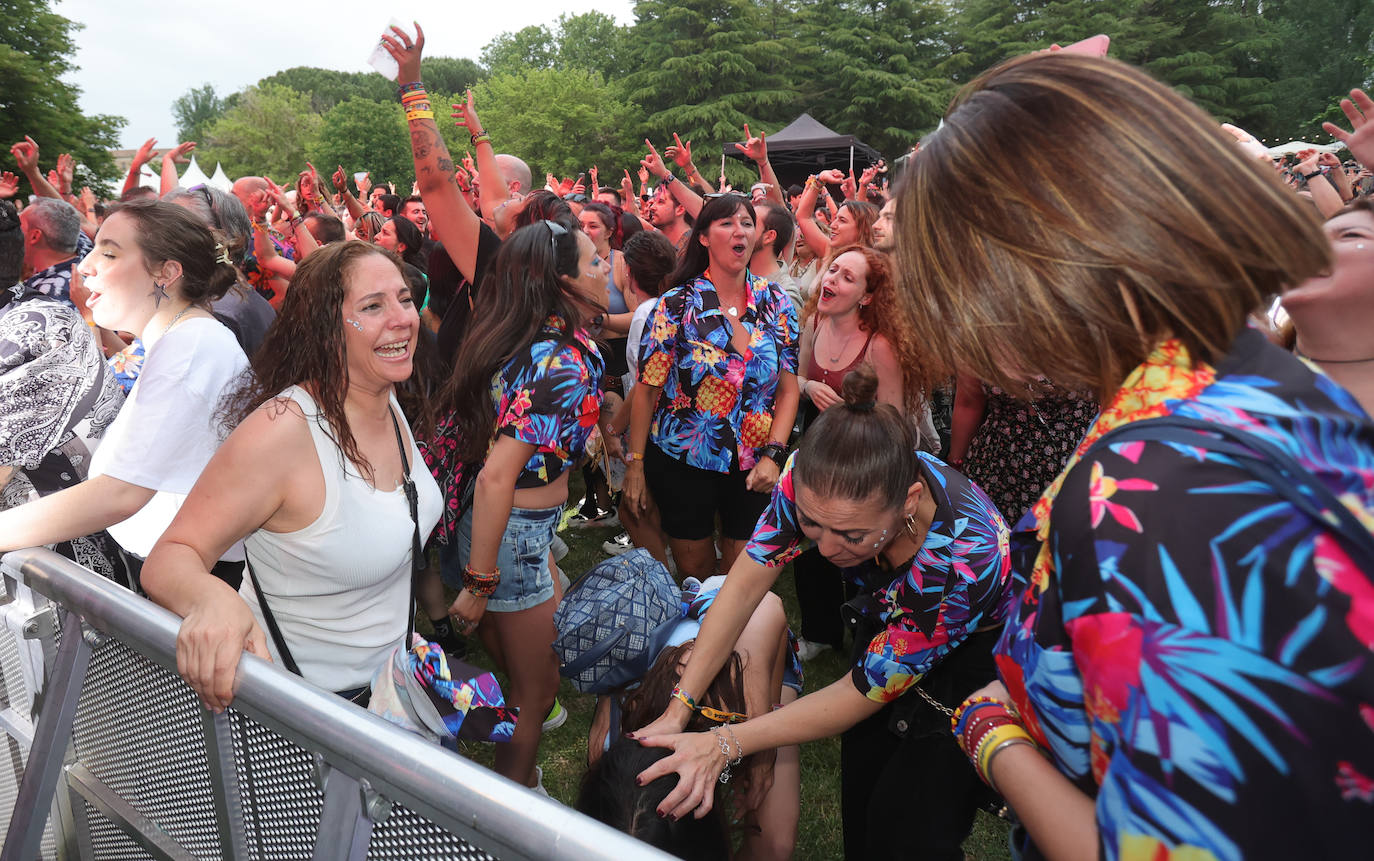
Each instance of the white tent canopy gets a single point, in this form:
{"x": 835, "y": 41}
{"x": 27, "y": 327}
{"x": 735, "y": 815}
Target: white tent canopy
{"x": 220, "y": 179}
{"x": 193, "y": 176}
{"x": 1298, "y": 146}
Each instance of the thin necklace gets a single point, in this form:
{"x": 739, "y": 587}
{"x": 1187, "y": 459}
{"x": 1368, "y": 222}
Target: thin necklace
{"x": 1333, "y": 361}
{"x": 835, "y": 359}
{"x": 174, "y": 320}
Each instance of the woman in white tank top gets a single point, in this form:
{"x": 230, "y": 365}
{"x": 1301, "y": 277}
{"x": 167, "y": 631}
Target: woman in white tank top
{"x": 311, "y": 479}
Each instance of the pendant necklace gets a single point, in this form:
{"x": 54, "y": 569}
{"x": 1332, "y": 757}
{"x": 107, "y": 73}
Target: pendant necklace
{"x": 835, "y": 359}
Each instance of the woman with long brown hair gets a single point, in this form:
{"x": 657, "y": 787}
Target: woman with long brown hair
{"x": 1185, "y": 669}
{"x": 322, "y": 481}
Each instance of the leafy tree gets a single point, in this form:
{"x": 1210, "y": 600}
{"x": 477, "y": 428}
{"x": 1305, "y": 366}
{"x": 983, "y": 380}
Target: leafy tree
{"x": 325, "y": 88}
{"x": 560, "y": 121}
{"x": 450, "y": 74}
{"x": 880, "y": 71}
{"x": 361, "y": 134}
{"x": 267, "y": 132}
{"x": 592, "y": 41}
{"x": 704, "y": 68}
{"x": 36, "y": 45}
{"x": 531, "y": 47}
{"x": 195, "y": 110}
{"x": 1325, "y": 48}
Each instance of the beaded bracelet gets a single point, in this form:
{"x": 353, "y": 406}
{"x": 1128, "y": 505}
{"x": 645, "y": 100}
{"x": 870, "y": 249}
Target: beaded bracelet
{"x": 687, "y": 699}
{"x": 479, "y": 584}
{"x": 402, "y": 89}
{"x": 979, "y": 726}
{"x": 966, "y": 708}
{"x": 479, "y": 139}
{"x": 412, "y": 98}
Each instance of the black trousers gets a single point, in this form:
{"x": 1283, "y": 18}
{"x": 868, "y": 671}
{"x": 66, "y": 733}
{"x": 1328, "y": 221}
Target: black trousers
{"x": 907, "y": 790}
{"x": 821, "y": 592}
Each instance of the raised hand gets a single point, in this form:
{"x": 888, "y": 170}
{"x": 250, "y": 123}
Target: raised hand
{"x": 88, "y": 200}
{"x": 627, "y": 188}
{"x": 66, "y": 169}
{"x": 596, "y": 180}
{"x": 643, "y": 174}
{"x": 1359, "y": 109}
{"x": 849, "y": 186}
{"x": 468, "y": 164}
{"x": 680, "y": 152}
{"x": 145, "y": 152}
{"x": 364, "y": 184}
{"x": 9, "y": 185}
{"x": 830, "y": 177}
{"x": 340, "y": 180}
{"x": 466, "y": 116}
{"x": 653, "y": 162}
{"x": 755, "y": 148}
{"x": 179, "y": 152}
{"x": 869, "y": 174}
{"x": 405, "y": 52}
{"x": 26, "y": 154}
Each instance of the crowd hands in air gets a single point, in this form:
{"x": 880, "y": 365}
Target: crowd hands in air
{"x": 305, "y": 378}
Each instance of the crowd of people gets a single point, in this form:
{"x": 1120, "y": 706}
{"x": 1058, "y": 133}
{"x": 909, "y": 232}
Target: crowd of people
{"x": 1079, "y": 460}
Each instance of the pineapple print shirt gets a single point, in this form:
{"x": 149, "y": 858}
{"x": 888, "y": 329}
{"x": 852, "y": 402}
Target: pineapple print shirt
{"x": 716, "y": 407}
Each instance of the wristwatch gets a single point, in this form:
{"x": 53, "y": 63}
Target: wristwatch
{"x": 776, "y": 452}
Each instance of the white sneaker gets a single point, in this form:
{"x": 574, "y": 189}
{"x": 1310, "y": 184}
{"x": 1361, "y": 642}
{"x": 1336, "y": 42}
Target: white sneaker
{"x": 807, "y": 650}
{"x": 619, "y": 545}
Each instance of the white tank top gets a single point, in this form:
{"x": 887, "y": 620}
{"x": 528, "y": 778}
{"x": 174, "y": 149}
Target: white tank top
{"x": 340, "y": 587}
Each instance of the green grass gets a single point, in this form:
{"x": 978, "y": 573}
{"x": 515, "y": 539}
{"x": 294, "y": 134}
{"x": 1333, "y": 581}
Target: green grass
{"x": 563, "y": 752}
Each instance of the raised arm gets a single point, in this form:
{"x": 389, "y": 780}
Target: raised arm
{"x": 806, "y": 209}
{"x": 26, "y": 156}
{"x": 493, "y": 188}
{"x": 756, "y": 148}
{"x": 352, "y": 204}
{"x": 141, "y": 157}
{"x": 170, "y": 159}
{"x": 690, "y": 200}
{"x": 451, "y": 220}
{"x": 681, "y": 154}
{"x": 1359, "y": 109}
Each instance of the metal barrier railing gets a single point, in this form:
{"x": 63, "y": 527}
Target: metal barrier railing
{"x": 110, "y": 755}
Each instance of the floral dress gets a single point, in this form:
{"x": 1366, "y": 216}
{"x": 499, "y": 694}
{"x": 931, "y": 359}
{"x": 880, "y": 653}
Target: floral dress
{"x": 1022, "y": 445}
{"x": 1190, "y": 651}
{"x": 716, "y": 407}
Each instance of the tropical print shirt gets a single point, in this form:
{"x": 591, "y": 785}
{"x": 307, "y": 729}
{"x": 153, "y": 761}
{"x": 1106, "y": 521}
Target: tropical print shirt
{"x": 716, "y": 407}
{"x": 1187, "y": 648}
{"x": 958, "y": 582}
{"x": 55, "y": 282}
{"x": 548, "y": 397}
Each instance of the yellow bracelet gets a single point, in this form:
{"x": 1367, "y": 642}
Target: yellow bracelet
{"x": 992, "y": 740}
{"x": 419, "y": 115}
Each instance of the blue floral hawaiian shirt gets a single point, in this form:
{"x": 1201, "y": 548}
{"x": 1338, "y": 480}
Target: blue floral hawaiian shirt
{"x": 1187, "y": 647}
{"x": 716, "y": 407}
{"x": 548, "y": 397}
{"x": 958, "y": 582}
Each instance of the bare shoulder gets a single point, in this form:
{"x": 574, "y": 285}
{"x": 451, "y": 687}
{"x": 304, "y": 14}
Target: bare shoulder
{"x": 881, "y": 352}
{"x": 277, "y": 430}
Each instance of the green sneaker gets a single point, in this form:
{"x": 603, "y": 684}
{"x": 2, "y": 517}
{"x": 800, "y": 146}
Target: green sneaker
{"x": 557, "y": 716}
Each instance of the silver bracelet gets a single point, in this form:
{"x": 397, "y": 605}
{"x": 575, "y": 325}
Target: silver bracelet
{"x": 1001, "y": 747}
{"x": 739, "y": 749}
{"x": 725, "y": 752}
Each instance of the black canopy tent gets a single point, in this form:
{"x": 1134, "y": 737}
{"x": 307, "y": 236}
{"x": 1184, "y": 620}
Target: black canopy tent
{"x": 806, "y": 147}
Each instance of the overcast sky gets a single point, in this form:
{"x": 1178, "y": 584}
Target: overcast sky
{"x": 137, "y": 56}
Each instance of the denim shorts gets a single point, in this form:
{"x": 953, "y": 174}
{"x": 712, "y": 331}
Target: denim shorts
{"x": 523, "y": 559}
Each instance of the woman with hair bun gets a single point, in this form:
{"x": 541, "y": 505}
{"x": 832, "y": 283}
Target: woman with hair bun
{"x": 928, "y": 553}
{"x": 154, "y": 272}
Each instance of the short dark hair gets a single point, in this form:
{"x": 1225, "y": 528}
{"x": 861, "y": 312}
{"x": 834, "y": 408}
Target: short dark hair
{"x": 414, "y": 198}
{"x": 328, "y": 228}
{"x": 777, "y": 218}
{"x": 651, "y": 258}
{"x": 390, "y": 203}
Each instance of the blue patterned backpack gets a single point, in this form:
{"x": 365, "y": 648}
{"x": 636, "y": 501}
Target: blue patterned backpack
{"x": 614, "y": 621}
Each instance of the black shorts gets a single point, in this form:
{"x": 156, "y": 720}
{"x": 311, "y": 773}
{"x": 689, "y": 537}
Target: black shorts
{"x": 689, "y": 498}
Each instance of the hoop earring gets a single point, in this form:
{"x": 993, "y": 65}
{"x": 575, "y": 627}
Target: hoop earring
{"x": 354, "y": 323}
{"x": 911, "y": 524}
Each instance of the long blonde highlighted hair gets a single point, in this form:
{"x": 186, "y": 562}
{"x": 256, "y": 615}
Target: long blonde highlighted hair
{"x": 1073, "y": 212}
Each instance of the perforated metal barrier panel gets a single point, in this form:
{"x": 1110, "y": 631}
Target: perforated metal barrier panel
{"x": 130, "y": 766}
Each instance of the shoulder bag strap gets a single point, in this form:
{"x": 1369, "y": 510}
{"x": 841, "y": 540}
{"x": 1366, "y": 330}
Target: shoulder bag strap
{"x": 417, "y": 550}
{"x": 280, "y": 642}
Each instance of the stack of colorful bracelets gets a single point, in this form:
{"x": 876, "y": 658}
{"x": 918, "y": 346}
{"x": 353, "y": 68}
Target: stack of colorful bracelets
{"x": 984, "y": 727}
{"x": 481, "y": 585}
{"x": 415, "y": 100}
